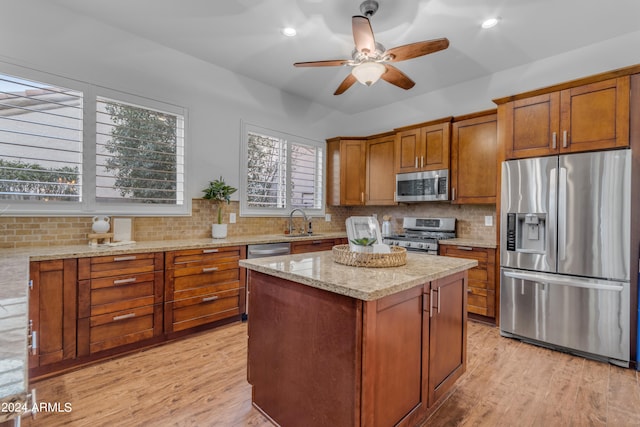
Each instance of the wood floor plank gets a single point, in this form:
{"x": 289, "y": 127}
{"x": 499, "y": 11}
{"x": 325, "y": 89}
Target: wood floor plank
{"x": 201, "y": 381}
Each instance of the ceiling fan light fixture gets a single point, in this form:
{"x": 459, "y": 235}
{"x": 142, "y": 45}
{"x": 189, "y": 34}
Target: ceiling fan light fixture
{"x": 368, "y": 73}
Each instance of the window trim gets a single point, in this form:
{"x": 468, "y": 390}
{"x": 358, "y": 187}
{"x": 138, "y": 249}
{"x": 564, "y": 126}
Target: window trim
{"x": 89, "y": 206}
{"x": 245, "y": 210}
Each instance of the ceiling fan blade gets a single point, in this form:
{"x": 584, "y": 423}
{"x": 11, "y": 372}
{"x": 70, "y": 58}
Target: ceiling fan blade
{"x": 346, "y": 84}
{"x": 330, "y": 63}
{"x": 413, "y": 50}
{"x": 363, "y": 34}
{"x": 397, "y": 77}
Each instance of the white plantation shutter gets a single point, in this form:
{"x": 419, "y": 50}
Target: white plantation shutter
{"x": 40, "y": 142}
{"x": 280, "y": 172}
{"x": 139, "y": 154}
{"x": 72, "y": 148}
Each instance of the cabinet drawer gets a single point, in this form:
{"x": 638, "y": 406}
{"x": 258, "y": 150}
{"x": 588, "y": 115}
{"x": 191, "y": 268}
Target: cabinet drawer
{"x": 191, "y": 286}
{"x": 119, "y": 265}
{"x": 312, "y": 246}
{"x": 210, "y": 268}
{"x": 481, "y": 301}
{"x": 124, "y": 327}
{"x": 142, "y": 292}
{"x": 191, "y": 312}
{"x": 468, "y": 252}
{"x": 190, "y": 258}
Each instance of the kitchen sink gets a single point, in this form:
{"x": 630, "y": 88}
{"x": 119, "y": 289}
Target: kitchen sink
{"x": 302, "y": 235}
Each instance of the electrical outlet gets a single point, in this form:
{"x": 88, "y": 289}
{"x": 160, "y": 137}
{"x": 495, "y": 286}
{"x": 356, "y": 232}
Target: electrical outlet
{"x": 232, "y": 218}
{"x": 488, "y": 220}
{"x": 327, "y": 217}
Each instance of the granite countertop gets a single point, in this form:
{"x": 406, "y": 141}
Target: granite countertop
{"x": 317, "y": 269}
{"x": 14, "y": 274}
{"x": 43, "y": 253}
{"x": 473, "y": 242}
{"x": 14, "y": 279}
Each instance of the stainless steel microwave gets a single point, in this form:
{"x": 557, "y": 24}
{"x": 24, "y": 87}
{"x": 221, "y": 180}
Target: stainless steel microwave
{"x": 422, "y": 186}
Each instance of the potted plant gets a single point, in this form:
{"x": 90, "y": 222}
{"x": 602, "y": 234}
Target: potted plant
{"x": 363, "y": 244}
{"x": 219, "y": 192}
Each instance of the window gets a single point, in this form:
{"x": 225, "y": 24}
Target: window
{"x": 280, "y": 172}
{"x": 139, "y": 154}
{"x": 134, "y": 145}
{"x": 40, "y": 142}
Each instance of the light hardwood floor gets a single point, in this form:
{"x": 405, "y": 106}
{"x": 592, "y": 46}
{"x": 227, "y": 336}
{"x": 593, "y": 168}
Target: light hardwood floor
{"x": 201, "y": 381}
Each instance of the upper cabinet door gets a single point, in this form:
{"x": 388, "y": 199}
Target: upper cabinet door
{"x": 590, "y": 117}
{"x": 423, "y": 149}
{"x": 408, "y": 149}
{"x": 352, "y": 172}
{"x": 474, "y": 160}
{"x": 436, "y": 147}
{"x": 532, "y": 126}
{"x": 381, "y": 178}
{"x": 595, "y": 116}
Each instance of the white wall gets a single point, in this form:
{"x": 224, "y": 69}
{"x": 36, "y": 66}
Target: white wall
{"x": 48, "y": 38}
{"x": 44, "y": 37}
{"x": 477, "y": 95}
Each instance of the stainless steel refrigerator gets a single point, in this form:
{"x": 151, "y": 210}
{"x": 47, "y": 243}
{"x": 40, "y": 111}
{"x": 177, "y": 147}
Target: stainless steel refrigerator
{"x": 564, "y": 253}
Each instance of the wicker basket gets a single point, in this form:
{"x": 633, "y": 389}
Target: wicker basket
{"x": 342, "y": 255}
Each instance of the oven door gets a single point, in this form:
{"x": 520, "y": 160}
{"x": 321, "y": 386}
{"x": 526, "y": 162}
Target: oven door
{"x": 422, "y": 186}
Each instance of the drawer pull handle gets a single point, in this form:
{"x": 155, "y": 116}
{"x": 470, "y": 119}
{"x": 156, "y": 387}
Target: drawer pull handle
{"x": 209, "y": 269}
{"x": 124, "y": 316}
{"x": 125, "y": 258}
{"x": 207, "y": 299}
{"x": 465, "y": 248}
{"x": 123, "y": 281}
{"x": 209, "y": 251}
{"x": 316, "y": 242}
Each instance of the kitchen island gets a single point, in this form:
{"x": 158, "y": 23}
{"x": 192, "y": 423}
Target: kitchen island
{"x": 331, "y": 344}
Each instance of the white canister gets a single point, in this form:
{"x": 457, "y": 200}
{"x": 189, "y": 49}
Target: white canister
{"x": 386, "y": 226}
{"x": 100, "y": 224}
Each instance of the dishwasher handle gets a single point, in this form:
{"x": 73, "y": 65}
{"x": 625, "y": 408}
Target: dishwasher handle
{"x": 267, "y": 252}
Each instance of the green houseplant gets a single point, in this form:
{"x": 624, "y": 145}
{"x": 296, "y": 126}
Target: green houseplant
{"x": 219, "y": 192}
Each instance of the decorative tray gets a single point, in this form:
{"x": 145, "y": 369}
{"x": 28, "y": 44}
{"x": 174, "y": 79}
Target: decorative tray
{"x": 342, "y": 255}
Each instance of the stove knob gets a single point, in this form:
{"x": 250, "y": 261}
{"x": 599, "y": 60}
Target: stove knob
{"x": 421, "y": 245}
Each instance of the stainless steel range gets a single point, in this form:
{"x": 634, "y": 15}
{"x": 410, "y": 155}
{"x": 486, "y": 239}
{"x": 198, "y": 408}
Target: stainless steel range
{"x": 422, "y": 234}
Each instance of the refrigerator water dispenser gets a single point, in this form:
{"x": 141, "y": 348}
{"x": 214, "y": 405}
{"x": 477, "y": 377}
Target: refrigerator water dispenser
{"x": 526, "y": 232}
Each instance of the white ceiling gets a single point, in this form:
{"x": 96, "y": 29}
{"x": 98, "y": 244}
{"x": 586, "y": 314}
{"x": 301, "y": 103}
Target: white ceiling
{"x": 244, "y": 37}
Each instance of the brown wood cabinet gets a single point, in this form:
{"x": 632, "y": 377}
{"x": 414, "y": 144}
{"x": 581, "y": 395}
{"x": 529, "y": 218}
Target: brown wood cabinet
{"x": 447, "y": 325}
{"x": 380, "y": 174}
{"x": 346, "y": 171}
{"x": 329, "y": 359}
{"x": 423, "y": 147}
{"x": 589, "y": 117}
{"x": 316, "y": 245}
{"x": 481, "y": 298}
{"x": 203, "y": 286}
{"x": 474, "y": 161}
{"x": 119, "y": 300}
{"x": 52, "y": 313}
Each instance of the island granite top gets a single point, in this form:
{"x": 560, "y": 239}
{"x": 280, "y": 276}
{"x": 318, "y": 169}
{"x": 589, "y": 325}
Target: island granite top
{"x": 317, "y": 269}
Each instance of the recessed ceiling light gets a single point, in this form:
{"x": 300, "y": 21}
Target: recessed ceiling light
{"x": 491, "y": 22}
{"x": 289, "y": 31}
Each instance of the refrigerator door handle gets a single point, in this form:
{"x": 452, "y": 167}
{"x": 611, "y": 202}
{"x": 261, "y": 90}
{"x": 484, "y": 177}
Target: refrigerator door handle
{"x": 562, "y": 214}
{"x": 552, "y": 280}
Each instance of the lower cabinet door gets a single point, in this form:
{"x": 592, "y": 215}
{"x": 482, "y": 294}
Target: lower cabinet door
{"x": 447, "y": 333}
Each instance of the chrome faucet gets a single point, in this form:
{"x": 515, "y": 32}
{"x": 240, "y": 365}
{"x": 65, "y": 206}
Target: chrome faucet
{"x": 306, "y": 220}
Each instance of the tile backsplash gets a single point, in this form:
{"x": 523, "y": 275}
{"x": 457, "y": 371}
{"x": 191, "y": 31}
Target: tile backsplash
{"x": 49, "y": 231}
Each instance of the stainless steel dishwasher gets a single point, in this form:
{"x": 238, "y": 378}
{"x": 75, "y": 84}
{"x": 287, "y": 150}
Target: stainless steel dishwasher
{"x": 262, "y": 251}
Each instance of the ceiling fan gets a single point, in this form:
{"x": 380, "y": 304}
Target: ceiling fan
{"x": 370, "y": 60}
